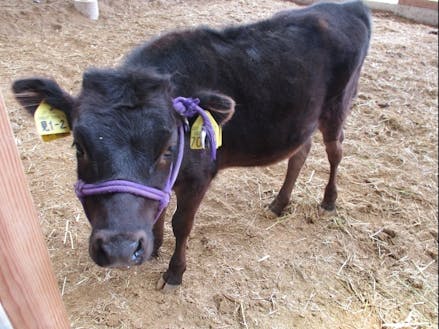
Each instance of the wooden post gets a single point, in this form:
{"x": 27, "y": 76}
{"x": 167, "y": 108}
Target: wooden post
{"x": 29, "y": 292}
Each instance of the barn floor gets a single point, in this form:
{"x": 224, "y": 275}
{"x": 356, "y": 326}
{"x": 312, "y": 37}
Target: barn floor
{"x": 373, "y": 265}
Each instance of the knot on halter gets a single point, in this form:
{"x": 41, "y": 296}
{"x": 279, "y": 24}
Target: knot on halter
{"x": 187, "y": 108}
{"x": 79, "y": 185}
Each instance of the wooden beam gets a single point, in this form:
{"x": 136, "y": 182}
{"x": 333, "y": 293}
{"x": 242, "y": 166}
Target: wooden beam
{"x": 427, "y": 4}
{"x": 28, "y": 289}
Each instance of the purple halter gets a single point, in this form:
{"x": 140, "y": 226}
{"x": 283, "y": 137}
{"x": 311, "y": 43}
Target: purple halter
{"x": 186, "y": 107}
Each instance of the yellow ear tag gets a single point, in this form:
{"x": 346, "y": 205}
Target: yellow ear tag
{"x": 51, "y": 123}
{"x": 197, "y": 138}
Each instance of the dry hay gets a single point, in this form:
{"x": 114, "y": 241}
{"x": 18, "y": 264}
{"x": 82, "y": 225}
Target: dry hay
{"x": 373, "y": 265}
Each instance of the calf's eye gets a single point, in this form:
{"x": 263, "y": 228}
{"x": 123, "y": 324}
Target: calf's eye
{"x": 168, "y": 153}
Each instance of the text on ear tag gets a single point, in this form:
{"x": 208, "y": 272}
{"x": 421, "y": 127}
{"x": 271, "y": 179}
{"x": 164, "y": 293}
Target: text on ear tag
{"x": 198, "y": 135}
{"x": 51, "y": 123}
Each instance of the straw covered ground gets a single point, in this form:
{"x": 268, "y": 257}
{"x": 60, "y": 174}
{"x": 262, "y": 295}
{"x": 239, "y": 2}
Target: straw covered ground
{"x": 373, "y": 265}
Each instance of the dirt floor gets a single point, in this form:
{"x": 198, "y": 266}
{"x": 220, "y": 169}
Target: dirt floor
{"x": 373, "y": 265}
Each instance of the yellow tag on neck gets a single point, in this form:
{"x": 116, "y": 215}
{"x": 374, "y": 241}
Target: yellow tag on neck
{"x": 51, "y": 123}
{"x": 198, "y": 138}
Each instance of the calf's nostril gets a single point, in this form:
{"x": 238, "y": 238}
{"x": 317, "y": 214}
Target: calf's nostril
{"x": 139, "y": 251}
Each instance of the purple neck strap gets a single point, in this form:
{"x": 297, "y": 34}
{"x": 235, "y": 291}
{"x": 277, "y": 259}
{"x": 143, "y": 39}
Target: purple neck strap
{"x": 186, "y": 107}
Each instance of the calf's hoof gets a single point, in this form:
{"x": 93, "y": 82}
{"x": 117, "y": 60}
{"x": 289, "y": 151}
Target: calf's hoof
{"x": 325, "y": 211}
{"x": 164, "y": 286}
{"x": 269, "y": 214}
{"x": 276, "y": 207}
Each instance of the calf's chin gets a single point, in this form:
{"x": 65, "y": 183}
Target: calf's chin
{"x": 113, "y": 249}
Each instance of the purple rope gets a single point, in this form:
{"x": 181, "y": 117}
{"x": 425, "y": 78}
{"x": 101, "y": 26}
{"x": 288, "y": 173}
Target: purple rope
{"x": 187, "y": 107}
{"x": 114, "y": 186}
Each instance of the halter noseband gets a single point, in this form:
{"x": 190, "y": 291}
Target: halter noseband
{"x": 186, "y": 107}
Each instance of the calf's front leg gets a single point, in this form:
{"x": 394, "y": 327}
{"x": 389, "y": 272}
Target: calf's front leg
{"x": 157, "y": 232}
{"x": 188, "y": 201}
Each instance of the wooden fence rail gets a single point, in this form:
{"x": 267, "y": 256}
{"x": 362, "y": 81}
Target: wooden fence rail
{"x": 29, "y": 292}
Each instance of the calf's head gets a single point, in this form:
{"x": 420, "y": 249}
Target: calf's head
{"x": 124, "y": 128}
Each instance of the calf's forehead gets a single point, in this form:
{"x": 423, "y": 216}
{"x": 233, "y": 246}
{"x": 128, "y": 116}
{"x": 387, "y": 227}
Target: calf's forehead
{"x": 123, "y": 123}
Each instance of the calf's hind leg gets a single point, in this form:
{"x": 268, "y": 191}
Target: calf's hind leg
{"x": 295, "y": 163}
{"x": 331, "y": 126}
{"x": 333, "y": 144}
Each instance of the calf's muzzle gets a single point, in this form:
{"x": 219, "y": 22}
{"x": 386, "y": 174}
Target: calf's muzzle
{"x": 112, "y": 249}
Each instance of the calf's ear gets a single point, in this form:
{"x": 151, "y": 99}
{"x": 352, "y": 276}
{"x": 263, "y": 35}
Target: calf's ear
{"x": 31, "y": 92}
{"x": 220, "y": 106}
